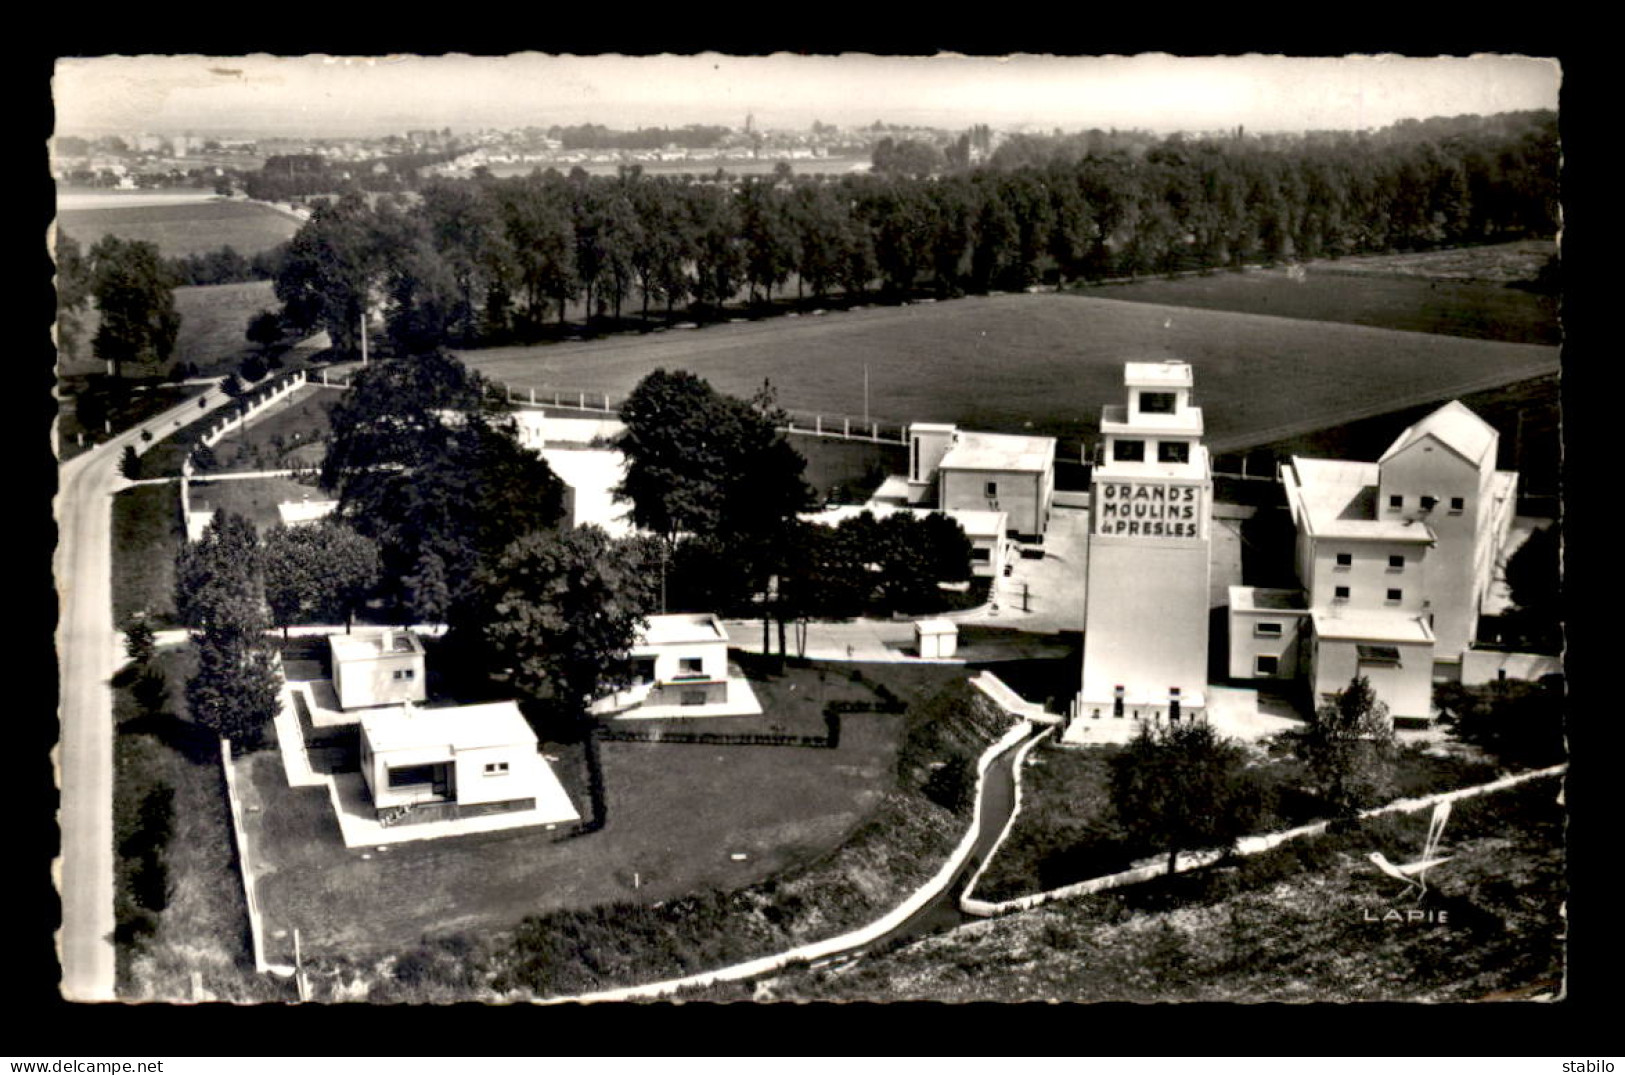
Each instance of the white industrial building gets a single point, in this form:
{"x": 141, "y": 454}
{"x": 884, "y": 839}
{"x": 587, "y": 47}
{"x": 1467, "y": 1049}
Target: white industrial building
{"x": 957, "y": 470}
{"x": 680, "y": 669}
{"x": 1395, "y": 559}
{"x": 1145, "y": 646}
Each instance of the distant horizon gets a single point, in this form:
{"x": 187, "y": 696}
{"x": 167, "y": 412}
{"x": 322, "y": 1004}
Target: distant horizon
{"x": 326, "y": 97}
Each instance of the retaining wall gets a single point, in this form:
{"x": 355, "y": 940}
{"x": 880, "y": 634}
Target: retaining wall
{"x": 256, "y": 925}
{"x": 1249, "y": 845}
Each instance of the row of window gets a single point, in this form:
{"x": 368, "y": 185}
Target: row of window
{"x": 1457, "y": 504}
{"x": 1346, "y": 560}
{"x": 1343, "y": 593}
{"x": 1168, "y": 451}
{"x": 405, "y": 673}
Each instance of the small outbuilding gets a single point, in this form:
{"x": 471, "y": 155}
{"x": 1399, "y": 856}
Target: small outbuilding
{"x": 378, "y": 669}
{"x": 936, "y": 639}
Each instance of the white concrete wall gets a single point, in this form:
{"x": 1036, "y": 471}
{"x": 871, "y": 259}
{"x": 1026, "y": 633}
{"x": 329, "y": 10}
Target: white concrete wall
{"x": 1406, "y": 688}
{"x": 1427, "y": 468}
{"x": 371, "y": 681}
{"x": 1147, "y": 618}
{"x": 713, "y": 657}
{"x": 473, "y": 785}
{"x": 1369, "y": 578}
{"x": 1246, "y": 644}
{"x": 1022, "y": 495}
{"x": 1486, "y": 666}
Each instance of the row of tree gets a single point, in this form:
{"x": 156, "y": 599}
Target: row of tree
{"x": 491, "y": 259}
{"x": 134, "y": 299}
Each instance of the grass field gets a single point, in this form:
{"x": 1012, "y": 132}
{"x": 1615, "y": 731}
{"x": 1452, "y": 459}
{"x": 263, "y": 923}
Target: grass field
{"x": 255, "y": 498}
{"x": 675, "y": 814}
{"x": 1412, "y": 294}
{"x": 146, "y": 536}
{"x": 1046, "y": 364}
{"x": 214, "y": 321}
{"x": 290, "y": 434}
{"x": 190, "y": 227}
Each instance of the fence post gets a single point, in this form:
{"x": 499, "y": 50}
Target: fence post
{"x": 606, "y": 402}
{"x": 846, "y": 427}
{"x": 818, "y": 423}
{"x": 533, "y": 396}
{"x": 583, "y": 403}
{"x": 874, "y": 431}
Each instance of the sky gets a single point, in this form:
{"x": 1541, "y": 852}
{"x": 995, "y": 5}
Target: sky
{"x": 356, "y": 96}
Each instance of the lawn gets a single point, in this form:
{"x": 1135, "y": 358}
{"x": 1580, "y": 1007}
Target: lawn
{"x": 147, "y": 535}
{"x": 201, "y": 926}
{"x": 1045, "y": 364}
{"x": 190, "y": 227}
{"x": 1292, "y": 924}
{"x": 1450, "y": 293}
{"x": 255, "y": 498}
{"x": 675, "y": 816}
{"x": 212, "y": 337}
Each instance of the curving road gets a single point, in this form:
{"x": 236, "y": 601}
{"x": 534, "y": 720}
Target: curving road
{"x": 89, "y": 651}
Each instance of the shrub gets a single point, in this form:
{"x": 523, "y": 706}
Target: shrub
{"x": 130, "y": 463}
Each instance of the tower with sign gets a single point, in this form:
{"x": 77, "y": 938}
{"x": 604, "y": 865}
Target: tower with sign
{"x": 1145, "y": 644}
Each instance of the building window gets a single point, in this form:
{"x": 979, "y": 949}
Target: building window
{"x": 990, "y": 489}
{"x": 1158, "y": 402}
{"x": 1173, "y": 451}
{"x": 1395, "y": 503}
{"x": 1340, "y": 593}
{"x": 1396, "y": 563}
{"x": 1266, "y": 630}
{"x": 1395, "y": 596}
{"x": 689, "y": 667}
{"x": 1128, "y": 451}
{"x": 496, "y": 768}
{"x": 1266, "y": 664}
{"x": 411, "y": 776}
{"x": 1345, "y": 559}
{"x": 1117, "y": 701}
{"x": 981, "y": 555}
{"x": 643, "y": 669}
{"x": 406, "y": 673}
{"x": 1457, "y": 505}
{"x": 1428, "y": 502}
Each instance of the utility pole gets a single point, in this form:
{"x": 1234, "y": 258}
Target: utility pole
{"x": 363, "y": 336}
{"x": 866, "y": 393}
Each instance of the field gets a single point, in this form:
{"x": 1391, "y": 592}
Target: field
{"x": 146, "y": 536}
{"x": 1045, "y": 364}
{"x": 188, "y": 227}
{"x": 1451, "y": 293}
{"x": 214, "y": 321}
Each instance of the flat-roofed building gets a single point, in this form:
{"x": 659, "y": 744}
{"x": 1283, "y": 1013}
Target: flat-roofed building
{"x": 423, "y": 765}
{"x": 680, "y": 668}
{"x": 378, "y": 669}
{"x": 959, "y": 470}
{"x": 1145, "y": 645}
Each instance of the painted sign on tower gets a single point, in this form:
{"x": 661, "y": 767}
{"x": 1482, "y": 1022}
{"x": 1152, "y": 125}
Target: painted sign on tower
{"x": 1146, "y": 609}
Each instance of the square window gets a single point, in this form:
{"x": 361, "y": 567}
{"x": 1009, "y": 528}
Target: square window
{"x": 1395, "y": 503}
{"x": 1341, "y": 593}
{"x": 1128, "y": 451}
{"x": 1345, "y": 559}
{"x": 1173, "y": 451}
{"x": 1158, "y": 402}
{"x": 1428, "y": 502}
{"x": 496, "y": 768}
{"x": 1266, "y": 630}
{"x": 690, "y": 666}
{"x": 1458, "y": 504}
{"x": 1395, "y": 596}
{"x": 1396, "y": 563}
{"x": 1266, "y": 665}
{"x": 990, "y": 489}
{"x": 1173, "y": 692}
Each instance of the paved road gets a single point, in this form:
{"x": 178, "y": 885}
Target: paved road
{"x": 88, "y": 653}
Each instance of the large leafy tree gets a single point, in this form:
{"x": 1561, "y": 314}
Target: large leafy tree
{"x": 1349, "y": 749}
{"x": 1534, "y": 575}
{"x": 73, "y": 285}
{"x": 1183, "y": 787}
{"x": 318, "y": 573}
{"x": 1520, "y": 723}
{"x": 220, "y": 593}
{"x": 135, "y": 302}
{"x": 331, "y": 266}
{"x": 560, "y": 611}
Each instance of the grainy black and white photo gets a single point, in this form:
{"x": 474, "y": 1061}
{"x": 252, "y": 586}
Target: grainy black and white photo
{"x": 793, "y": 527}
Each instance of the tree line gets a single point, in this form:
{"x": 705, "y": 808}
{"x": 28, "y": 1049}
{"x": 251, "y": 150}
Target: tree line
{"x": 490, "y": 260}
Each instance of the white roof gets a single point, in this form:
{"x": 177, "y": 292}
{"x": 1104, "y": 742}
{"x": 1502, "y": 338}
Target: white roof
{"x": 682, "y": 627}
{"x": 976, "y": 524}
{"x": 365, "y": 646}
{"x": 1456, "y": 427}
{"x": 1339, "y": 498}
{"x": 999, "y": 451}
{"x": 464, "y": 727}
{"x": 1158, "y": 374}
{"x": 1262, "y": 599}
{"x": 1372, "y": 625}
{"x": 592, "y": 474}
{"x": 294, "y": 512}
{"x": 935, "y": 627}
